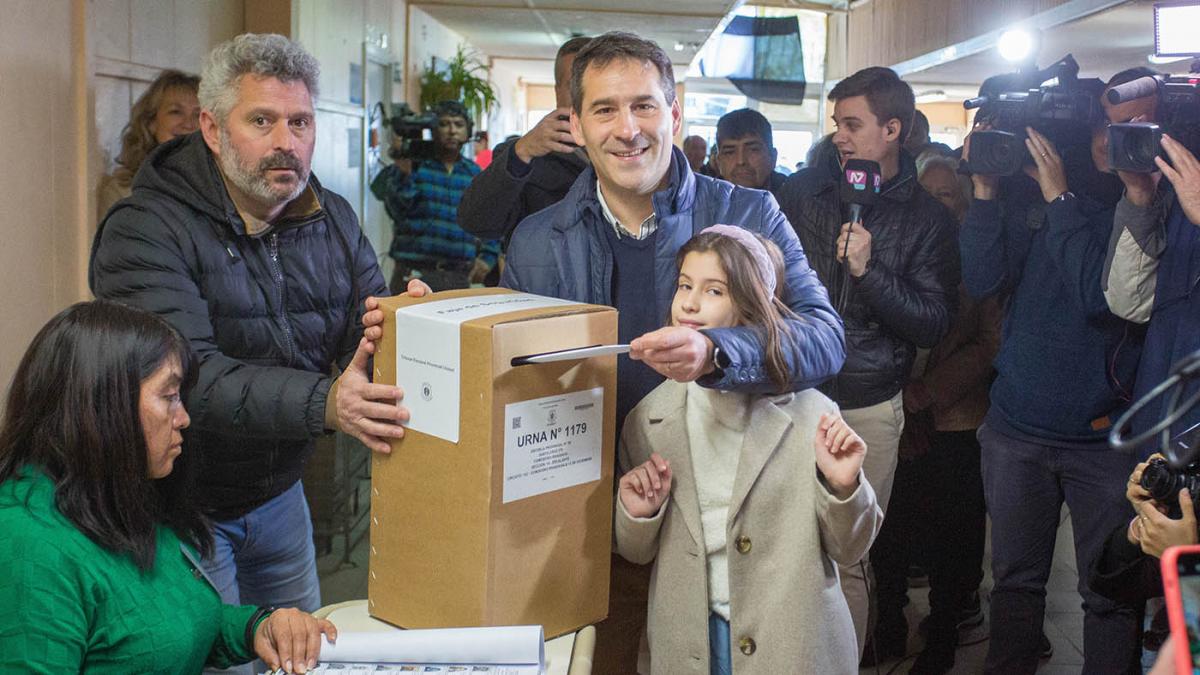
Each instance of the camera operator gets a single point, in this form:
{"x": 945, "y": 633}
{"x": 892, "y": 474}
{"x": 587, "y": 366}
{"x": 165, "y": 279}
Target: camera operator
{"x": 1154, "y": 255}
{"x": 532, "y": 172}
{"x": 1128, "y": 569}
{"x": 421, "y": 195}
{"x": 1062, "y": 376}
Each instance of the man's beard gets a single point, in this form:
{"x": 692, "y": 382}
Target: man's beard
{"x": 254, "y": 182}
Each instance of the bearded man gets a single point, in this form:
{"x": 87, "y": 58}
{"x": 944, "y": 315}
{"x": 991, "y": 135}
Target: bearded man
{"x": 231, "y": 239}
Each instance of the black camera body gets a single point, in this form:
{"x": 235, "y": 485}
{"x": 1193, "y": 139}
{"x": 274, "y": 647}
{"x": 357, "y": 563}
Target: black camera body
{"x": 1164, "y": 483}
{"x": 415, "y": 133}
{"x": 1133, "y": 146}
{"x": 1065, "y": 112}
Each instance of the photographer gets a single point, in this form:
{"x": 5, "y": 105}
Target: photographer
{"x": 533, "y": 172}
{"x": 1128, "y": 570}
{"x": 1063, "y": 372}
{"x": 421, "y": 195}
{"x": 1154, "y": 255}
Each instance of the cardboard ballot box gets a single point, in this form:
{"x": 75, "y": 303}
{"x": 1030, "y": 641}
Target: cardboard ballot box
{"x": 496, "y": 506}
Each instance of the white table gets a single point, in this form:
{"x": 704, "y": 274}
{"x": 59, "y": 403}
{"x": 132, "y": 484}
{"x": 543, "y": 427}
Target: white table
{"x": 565, "y": 655}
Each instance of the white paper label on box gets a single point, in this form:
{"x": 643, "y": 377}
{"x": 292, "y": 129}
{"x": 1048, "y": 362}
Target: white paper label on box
{"x": 428, "y": 351}
{"x": 552, "y": 443}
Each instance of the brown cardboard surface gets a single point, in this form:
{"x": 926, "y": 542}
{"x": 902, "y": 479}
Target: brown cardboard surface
{"x": 445, "y": 549}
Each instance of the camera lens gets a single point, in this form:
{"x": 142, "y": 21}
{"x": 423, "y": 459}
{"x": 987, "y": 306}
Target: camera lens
{"x": 1159, "y": 481}
{"x": 1140, "y": 149}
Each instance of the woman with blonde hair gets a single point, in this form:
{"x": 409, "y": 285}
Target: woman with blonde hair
{"x": 167, "y": 109}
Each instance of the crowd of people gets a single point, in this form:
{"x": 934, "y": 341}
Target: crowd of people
{"x": 813, "y": 403}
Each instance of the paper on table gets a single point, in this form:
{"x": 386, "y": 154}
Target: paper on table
{"x": 422, "y": 668}
{"x": 501, "y": 645}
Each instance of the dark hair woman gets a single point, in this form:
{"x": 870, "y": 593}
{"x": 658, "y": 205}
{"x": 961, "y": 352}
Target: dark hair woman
{"x": 102, "y": 542}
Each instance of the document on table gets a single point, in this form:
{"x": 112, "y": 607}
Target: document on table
{"x": 502, "y": 650}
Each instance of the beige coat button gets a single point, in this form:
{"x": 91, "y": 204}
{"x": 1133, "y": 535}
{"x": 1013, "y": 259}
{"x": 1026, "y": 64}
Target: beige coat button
{"x": 747, "y": 646}
{"x": 743, "y": 544}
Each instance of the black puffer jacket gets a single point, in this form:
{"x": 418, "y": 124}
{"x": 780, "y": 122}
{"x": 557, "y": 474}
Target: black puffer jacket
{"x": 508, "y": 190}
{"x": 268, "y": 315}
{"x": 907, "y": 296}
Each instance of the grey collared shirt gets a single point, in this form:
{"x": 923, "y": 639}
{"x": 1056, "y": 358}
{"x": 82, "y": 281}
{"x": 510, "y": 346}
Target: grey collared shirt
{"x": 649, "y": 225}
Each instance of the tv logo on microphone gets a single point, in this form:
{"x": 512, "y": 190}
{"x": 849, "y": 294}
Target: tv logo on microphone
{"x": 858, "y": 179}
{"x": 860, "y": 182}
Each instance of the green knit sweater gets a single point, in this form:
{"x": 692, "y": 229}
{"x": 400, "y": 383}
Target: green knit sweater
{"x": 69, "y": 605}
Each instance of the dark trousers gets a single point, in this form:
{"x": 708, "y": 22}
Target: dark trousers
{"x": 1025, "y": 485}
{"x": 619, "y": 636}
{"x": 936, "y": 518}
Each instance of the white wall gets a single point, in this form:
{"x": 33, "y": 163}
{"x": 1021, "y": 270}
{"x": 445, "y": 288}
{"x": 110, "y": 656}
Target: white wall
{"x": 44, "y": 119}
{"x": 509, "y": 118}
{"x": 133, "y": 41}
{"x": 335, "y": 32}
{"x": 426, "y": 38}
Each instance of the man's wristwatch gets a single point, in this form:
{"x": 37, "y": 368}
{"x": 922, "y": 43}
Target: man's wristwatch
{"x": 720, "y": 359}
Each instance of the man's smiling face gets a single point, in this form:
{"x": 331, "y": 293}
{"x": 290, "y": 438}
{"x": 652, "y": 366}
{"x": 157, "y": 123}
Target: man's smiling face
{"x": 626, "y": 125}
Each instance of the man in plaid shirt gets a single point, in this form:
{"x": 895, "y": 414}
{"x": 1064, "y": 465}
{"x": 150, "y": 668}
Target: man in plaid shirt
{"x": 421, "y": 195}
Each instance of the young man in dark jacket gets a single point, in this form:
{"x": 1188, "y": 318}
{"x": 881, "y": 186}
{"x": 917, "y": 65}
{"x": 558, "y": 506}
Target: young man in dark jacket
{"x": 894, "y": 277}
{"x": 1064, "y": 373}
{"x": 229, "y": 237}
{"x": 532, "y": 172}
{"x": 613, "y": 241}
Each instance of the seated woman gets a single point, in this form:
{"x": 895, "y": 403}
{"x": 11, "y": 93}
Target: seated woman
{"x": 168, "y": 108}
{"x": 101, "y": 546}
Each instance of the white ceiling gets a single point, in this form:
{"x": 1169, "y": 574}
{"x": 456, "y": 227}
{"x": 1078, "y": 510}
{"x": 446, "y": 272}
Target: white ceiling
{"x": 1103, "y": 44}
{"x": 533, "y": 29}
{"x": 530, "y": 31}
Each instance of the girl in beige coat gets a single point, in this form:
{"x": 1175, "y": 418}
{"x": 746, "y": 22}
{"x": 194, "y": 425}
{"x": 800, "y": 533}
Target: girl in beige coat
{"x": 744, "y": 540}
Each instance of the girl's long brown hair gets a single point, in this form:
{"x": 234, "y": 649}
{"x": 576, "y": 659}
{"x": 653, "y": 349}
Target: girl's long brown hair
{"x": 765, "y": 313}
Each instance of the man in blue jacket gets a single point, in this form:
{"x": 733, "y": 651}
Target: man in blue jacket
{"x": 1064, "y": 373}
{"x": 613, "y": 240}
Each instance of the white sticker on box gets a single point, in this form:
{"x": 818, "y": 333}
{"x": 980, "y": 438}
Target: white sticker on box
{"x": 428, "y": 351}
{"x": 552, "y": 443}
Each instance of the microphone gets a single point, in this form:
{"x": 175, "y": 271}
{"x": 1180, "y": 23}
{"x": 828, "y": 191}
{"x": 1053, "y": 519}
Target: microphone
{"x": 1139, "y": 88}
{"x": 858, "y": 187}
{"x": 861, "y": 179}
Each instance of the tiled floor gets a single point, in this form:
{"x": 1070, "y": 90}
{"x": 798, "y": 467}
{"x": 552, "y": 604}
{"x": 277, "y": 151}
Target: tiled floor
{"x": 1064, "y": 619}
{"x": 1063, "y": 625}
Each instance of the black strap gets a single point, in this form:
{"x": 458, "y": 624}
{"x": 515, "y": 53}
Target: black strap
{"x": 261, "y": 613}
